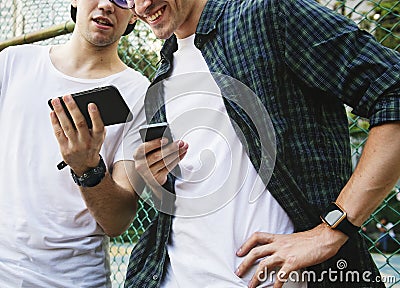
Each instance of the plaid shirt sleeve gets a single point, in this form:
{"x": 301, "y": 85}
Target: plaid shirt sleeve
{"x": 321, "y": 49}
{"x": 328, "y": 51}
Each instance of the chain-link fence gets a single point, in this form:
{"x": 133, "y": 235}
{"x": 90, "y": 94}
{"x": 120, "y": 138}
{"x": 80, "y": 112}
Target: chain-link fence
{"x": 140, "y": 51}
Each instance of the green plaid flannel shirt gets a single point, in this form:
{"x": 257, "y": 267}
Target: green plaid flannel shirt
{"x": 304, "y": 62}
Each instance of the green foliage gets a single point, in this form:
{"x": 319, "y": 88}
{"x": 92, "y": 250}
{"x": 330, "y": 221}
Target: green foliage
{"x": 140, "y": 50}
{"x": 387, "y": 17}
{"x": 358, "y": 126}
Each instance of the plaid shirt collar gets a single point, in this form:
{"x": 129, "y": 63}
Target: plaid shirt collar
{"x": 207, "y": 24}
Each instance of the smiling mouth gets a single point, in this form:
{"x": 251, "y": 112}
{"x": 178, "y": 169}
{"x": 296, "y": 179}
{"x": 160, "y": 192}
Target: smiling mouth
{"x": 102, "y": 21}
{"x": 156, "y": 15}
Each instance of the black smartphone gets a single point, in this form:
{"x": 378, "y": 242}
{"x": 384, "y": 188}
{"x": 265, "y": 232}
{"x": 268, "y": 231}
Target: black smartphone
{"x": 112, "y": 107}
{"x": 153, "y": 131}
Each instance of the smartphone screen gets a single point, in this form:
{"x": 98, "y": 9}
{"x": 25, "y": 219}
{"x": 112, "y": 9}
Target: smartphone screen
{"x": 154, "y": 131}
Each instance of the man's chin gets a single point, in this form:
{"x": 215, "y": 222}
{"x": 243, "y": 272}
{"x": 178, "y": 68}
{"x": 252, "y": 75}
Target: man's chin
{"x": 164, "y": 36}
{"x": 103, "y": 41}
{"x": 162, "y": 33}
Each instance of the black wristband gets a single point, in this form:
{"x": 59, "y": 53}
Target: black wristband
{"x": 336, "y": 218}
{"x": 92, "y": 177}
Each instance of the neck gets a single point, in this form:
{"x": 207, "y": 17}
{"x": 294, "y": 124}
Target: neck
{"x": 86, "y": 60}
{"x": 190, "y": 25}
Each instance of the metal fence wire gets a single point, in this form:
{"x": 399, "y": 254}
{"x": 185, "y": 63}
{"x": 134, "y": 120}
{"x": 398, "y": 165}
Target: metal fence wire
{"x": 23, "y": 21}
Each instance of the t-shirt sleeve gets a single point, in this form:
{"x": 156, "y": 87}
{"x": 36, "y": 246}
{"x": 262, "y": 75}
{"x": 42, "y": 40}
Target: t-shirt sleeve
{"x": 131, "y": 137}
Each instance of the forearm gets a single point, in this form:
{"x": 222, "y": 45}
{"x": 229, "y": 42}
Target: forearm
{"x": 375, "y": 175}
{"x": 112, "y": 206}
{"x": 113, "y": 201}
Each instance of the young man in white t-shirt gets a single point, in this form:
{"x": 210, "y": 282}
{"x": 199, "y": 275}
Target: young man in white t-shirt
{"x": 52, "y": 230}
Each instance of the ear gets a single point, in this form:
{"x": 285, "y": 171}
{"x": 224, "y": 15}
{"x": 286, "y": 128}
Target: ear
{"x": 73, "y": 3}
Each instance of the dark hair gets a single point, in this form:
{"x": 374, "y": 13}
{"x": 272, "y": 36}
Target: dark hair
{"x": 128, "y": 29}
{"x": 384, "y": 217}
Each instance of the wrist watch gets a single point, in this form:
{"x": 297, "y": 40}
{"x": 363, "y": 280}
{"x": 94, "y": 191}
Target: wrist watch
{"x": 92, "y": 177}
{"x": 336, "y": 218}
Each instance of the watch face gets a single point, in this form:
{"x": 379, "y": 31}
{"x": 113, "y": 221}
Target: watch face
{"x": 332, "y": 217}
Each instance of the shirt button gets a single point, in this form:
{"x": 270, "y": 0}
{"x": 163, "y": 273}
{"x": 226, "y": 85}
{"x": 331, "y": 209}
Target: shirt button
{"x": 155, "y": 277}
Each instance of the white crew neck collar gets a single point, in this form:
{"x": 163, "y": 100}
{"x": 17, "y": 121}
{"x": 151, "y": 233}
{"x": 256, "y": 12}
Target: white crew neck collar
{"x": 184, "y": 42}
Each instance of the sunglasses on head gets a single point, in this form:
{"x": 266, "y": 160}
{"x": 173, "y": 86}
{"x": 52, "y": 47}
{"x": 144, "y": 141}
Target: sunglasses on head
{"x": 124, "y": 4}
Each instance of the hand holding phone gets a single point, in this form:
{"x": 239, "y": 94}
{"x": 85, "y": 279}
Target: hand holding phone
{"x": 110, "y": 104}
{"x": 153, "y": 131}
{"x": 112, "y": 107}
{"x": 175, "y": 154}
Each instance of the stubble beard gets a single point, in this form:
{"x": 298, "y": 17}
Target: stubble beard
{"x": 101, "y": 41}
{"x": 162, "y": 31}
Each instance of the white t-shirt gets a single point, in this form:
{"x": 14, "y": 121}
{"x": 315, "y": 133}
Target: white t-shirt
{"x": 215, "y": 211}
{"x": 47, "y": 236}
{"x": 387, "y": 227}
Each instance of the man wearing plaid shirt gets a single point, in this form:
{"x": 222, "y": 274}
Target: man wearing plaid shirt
{"x": 303, "y": 62}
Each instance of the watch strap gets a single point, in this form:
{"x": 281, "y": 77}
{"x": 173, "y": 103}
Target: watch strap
{"x": 91, "y": 177}
{"x": 347, "y": 227}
